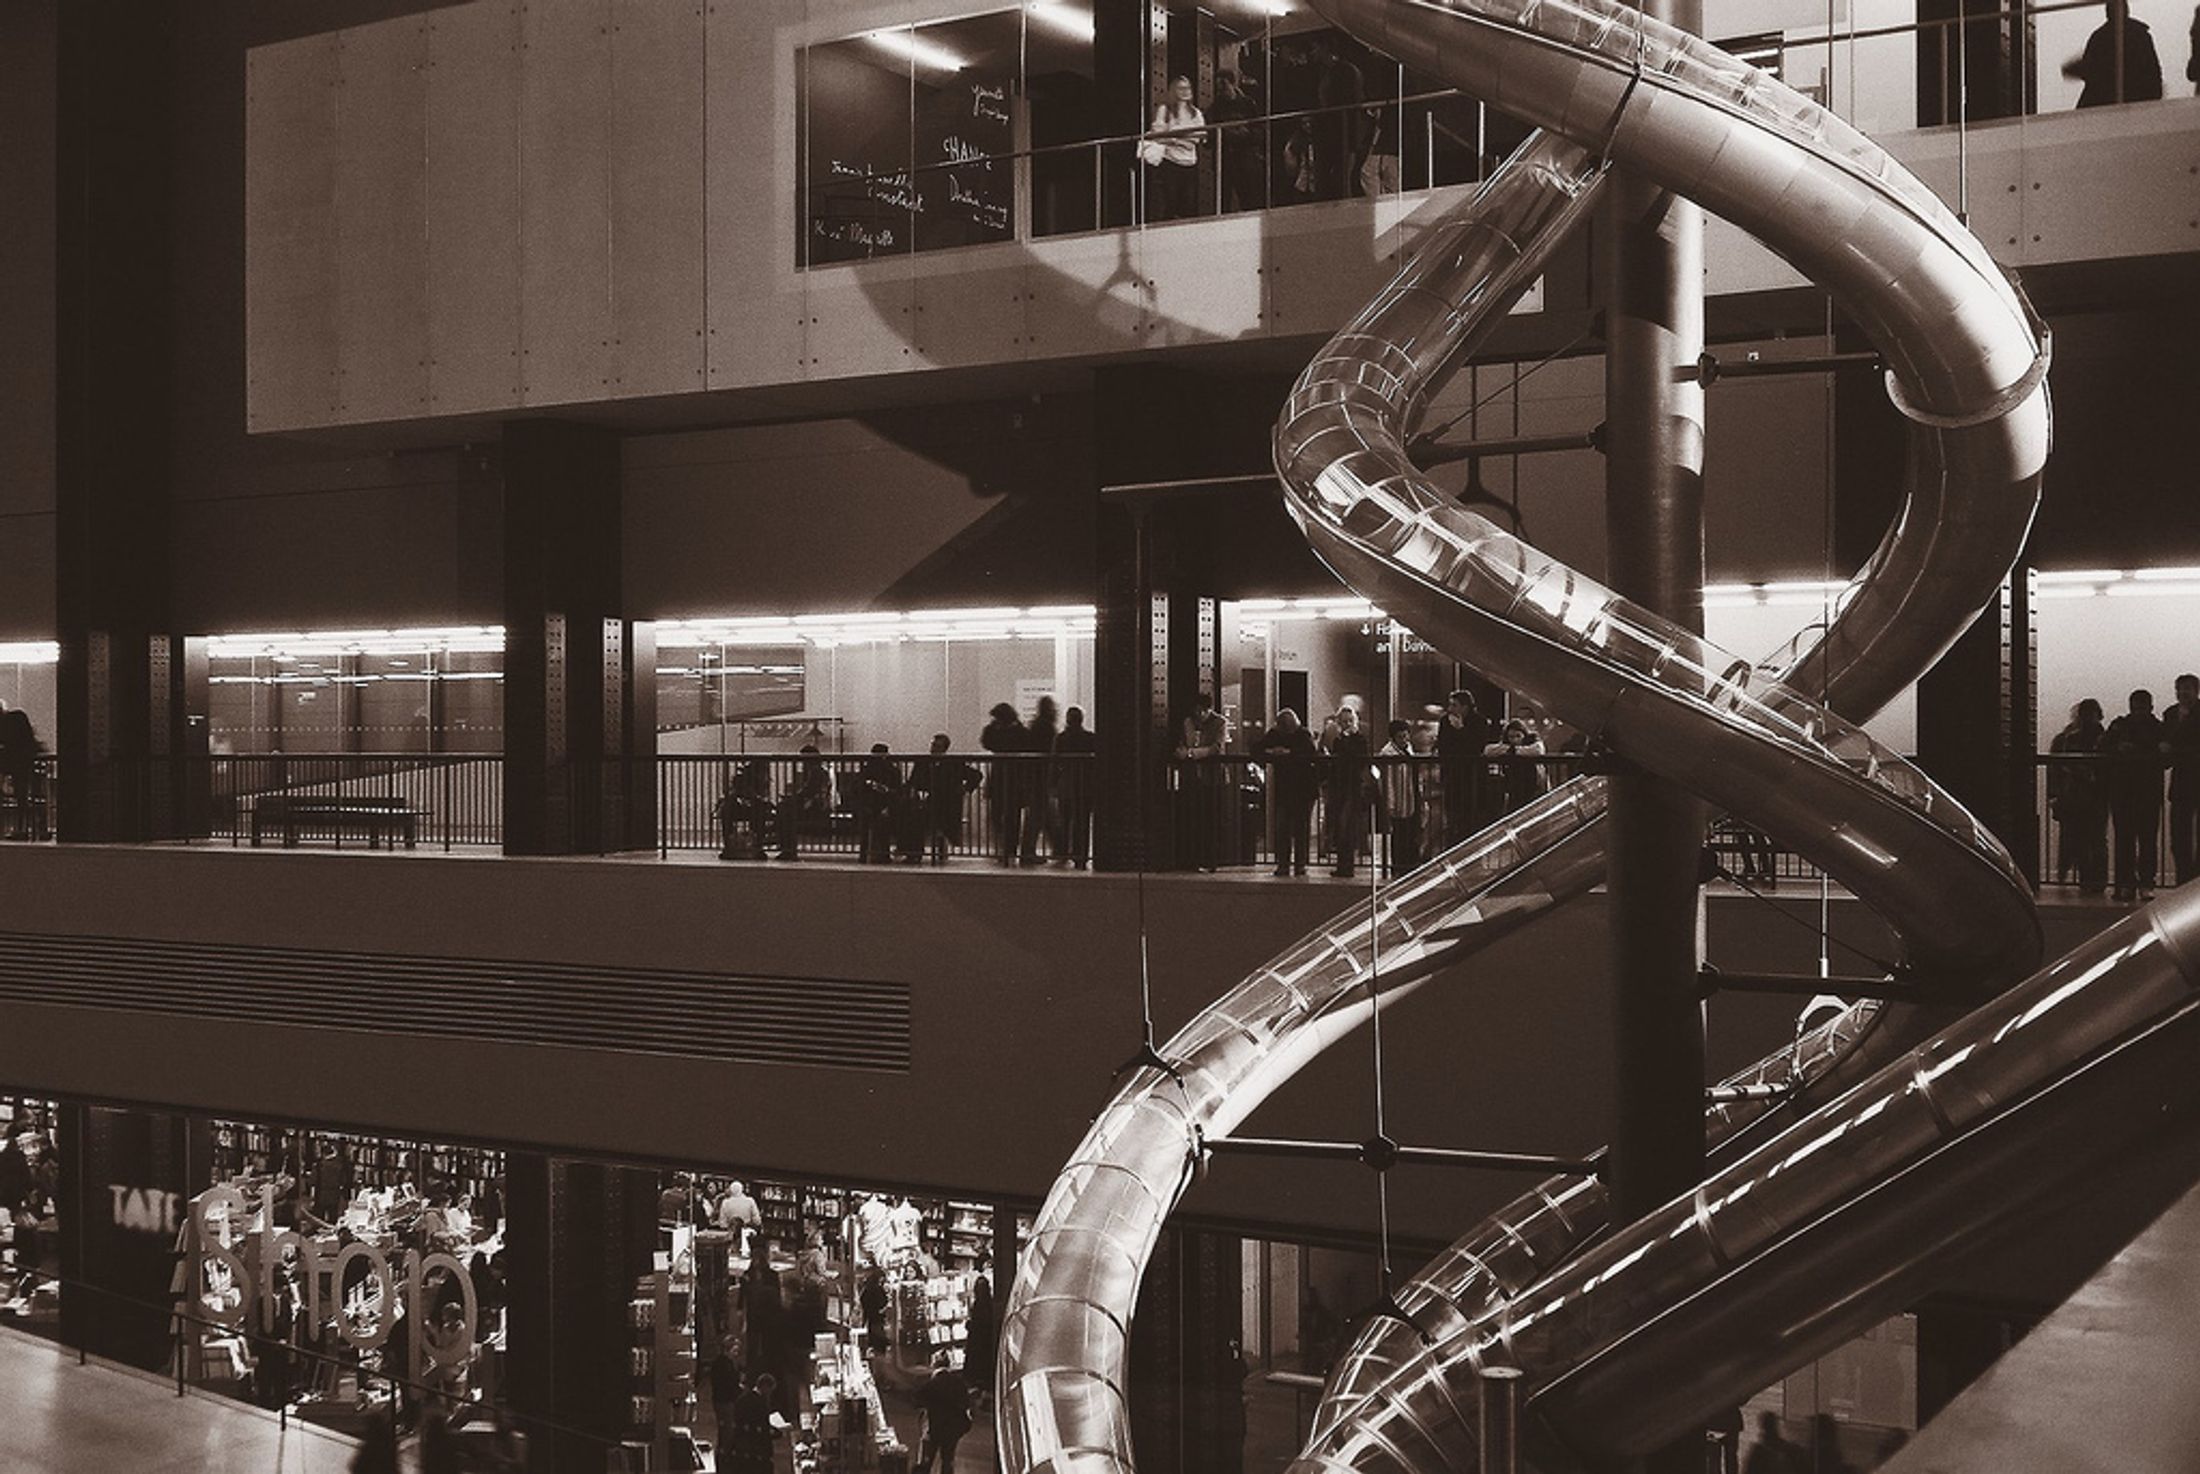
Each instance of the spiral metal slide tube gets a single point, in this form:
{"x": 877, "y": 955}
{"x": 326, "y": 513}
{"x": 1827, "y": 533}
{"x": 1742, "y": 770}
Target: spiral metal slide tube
{"x": 1968, "y": 367}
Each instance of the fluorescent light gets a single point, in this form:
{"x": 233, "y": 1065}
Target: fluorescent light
{"x": 2167, "y": 575}
{"x": 31, "y": 652}
{"x": 909, "y": 47}
{"x": 1070, "y": 20}
{"x": 2082, "y": 575}
{"x": 2152, "y": 590}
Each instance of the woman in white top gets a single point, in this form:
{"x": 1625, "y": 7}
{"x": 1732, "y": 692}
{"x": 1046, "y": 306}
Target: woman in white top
{"x": 1171, "y": 155}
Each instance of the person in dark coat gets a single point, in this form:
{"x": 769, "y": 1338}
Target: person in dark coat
{"x": 19, "y": 748}
{"x": 878, "y": 795}
{"x": 746, "y": 1447}
{"x": 1074, "y": 785}
{"x": 1460, "y": 737}
{"x": 2096, "y": 65}
{"x": 2077, "y": 795}
{"x": 808, "y": 800}
{"x": 1006, "y": 737}
{"x": 2181, "y": 732}
{"x": 937, "y": 786}
{"x": 945, "y": 1400}
{"x": 1347, "y": 796}
{"x": 981, "y": 1338}
{"x": 872, "y": 1300}
{"x": 763, "y": 1318}
{"x": 1038, "y": 782}
{"x": 2135, "y": 749}
{"x": 1288, "y": 750}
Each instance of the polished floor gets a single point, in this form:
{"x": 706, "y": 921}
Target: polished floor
{"x": 62, "y": 1418}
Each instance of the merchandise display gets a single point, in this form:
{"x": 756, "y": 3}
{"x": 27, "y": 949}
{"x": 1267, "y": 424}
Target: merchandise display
{"x": 334, "y": 1267}
{"x": 29, "y": 1229}
{"x": 661, "y": 1361}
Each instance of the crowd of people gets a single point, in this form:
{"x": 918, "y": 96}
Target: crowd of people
{"x": 916, "y": 810}
{"x": 1437, "y": 777}
{"x": 2117, "y": 792}
{"x": 29, "y": 1186}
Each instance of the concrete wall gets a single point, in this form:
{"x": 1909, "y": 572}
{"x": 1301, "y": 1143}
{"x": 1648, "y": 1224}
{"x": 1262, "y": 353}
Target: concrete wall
{"x": 603, "y": 194}
{"x": 1024, "y": 998}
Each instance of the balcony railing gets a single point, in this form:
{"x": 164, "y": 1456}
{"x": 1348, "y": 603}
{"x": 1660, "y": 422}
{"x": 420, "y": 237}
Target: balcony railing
{"x": 1229, "y": 812}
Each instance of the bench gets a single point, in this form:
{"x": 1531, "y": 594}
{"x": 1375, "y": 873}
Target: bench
{"x": 380, "y": 820}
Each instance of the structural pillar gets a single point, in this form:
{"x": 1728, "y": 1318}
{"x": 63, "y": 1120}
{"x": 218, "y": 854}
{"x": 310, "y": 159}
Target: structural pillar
{"x": 121, "y": 709}
{"x": 581, "y": 1233}
{"x": 579, "y": 695}
{"x": 1157, "y": 621}
{"x": 1653, "y": 275}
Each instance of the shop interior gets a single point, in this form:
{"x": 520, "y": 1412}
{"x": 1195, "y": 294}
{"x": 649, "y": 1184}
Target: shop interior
{"x": 30, "y": 1203}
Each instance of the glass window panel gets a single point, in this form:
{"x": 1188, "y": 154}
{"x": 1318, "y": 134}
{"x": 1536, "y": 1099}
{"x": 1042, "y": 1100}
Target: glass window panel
{"x": 856, "y": 97}
{"x": 965, "y": 77}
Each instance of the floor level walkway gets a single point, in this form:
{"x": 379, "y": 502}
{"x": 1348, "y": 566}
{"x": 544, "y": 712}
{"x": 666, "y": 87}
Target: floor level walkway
{"x": 62, "y": 1418}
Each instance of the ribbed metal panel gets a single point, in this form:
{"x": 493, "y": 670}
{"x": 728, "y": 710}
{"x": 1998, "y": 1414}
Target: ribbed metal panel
{"x": 833, "y": 1022}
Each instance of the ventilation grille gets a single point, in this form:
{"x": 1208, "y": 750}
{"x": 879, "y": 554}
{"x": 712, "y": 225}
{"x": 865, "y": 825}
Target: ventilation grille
{"x": 795, "y": 1021}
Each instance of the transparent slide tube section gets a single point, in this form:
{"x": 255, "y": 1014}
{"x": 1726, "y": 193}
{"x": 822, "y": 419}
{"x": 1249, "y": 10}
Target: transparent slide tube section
{"x": 1769, "y": 741}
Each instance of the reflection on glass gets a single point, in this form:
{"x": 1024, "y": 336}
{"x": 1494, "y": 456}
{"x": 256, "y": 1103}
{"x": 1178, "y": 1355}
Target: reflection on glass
{"x": 965, "y": 130}
{"x": 859, "y": 198}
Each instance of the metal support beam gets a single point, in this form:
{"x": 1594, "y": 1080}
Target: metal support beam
{"x": 1432, "y": 452}
{"x": 1807, "y": 985}
{"x": 1710, "y": 368}
{"x": 1654, "y": 550}
{"x": 1393, "y": 1154}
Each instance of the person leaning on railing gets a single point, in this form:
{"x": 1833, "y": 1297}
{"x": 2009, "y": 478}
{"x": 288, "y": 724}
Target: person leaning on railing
{"x": 1170, "y": 153}
{"x": 1288, "y": 750}
{"x": 2077, "y": 796}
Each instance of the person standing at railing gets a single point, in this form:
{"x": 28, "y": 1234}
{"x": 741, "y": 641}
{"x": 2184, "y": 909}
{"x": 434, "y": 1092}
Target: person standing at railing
{"x": 1288, "y": 750}
{"x": 878, "y": 797}
{"x": 1005, "y": 736}
{"x": 2135, "y": 751}
{"x": 2181, "y": 732}
{"x": 19, "y": 749}
{"x": 1073, "y": 786}
{"x": 809, "y": 799}
{"x": 938, "y": 786}
{"x": 1350, "y": 793}
{"x": 2077, "y": 795}
{"x": 1401, "y": 800}
{"x": 1037, "y": 777}
{"x": 2096, "y": 65}
{"x": 1340, "y": 132}
{"x": 1515, "y": 766}
{"x": 1460, "y": 738}
{"x": 1201, "y": 782}
{"x": 1241, "y": 150}
{"x": 1170, "y": 153}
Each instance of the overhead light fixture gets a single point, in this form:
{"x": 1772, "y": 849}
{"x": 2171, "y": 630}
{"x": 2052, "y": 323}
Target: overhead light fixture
{"x": 910, "y": 47}
{"x": 31, "y": 652}
{"x": 1072, "y": 21}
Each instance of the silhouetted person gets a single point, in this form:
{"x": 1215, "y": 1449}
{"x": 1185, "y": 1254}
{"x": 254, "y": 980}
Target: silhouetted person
{"x": 1340, "y": 131}
{"x": 2181, "y": 731}
{"x": 18, "y": 769}
{"x": 1006, "y": 738}
{"x": 1773, "y": 1454}
{"x": 1200, "y": 783}
{"x": 2096, "y": 65}
{"x": 1074, "y": 784}
{"x": 1826, "y": 1447}
{"x": 1460, "y": 737}
{"x": 2077, "y": 795}
{"x": 945, "y": 1399}
{"x": 938, "y": 785}
{"x": 1241, "y": 151}
{"x": 2135, "y": 749}
{"x": 1288, "y": 750}
{"x": 1514, "y": 771}
{"x": 981, "y": 1338}
{"x": 1038, "y": 776}
{"x": 878, "y": 800}
{"x": 747, "y": 805}
{"x": 1347, "y": 793}
{"x": 809, "y": 799}
{"x": 746, "y": 1447}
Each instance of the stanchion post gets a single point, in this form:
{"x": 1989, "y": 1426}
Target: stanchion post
{"x": 1499, "y": 1394}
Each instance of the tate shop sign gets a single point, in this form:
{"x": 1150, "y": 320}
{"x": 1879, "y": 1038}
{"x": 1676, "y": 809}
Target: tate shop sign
{"x": 234, "y": 1273}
